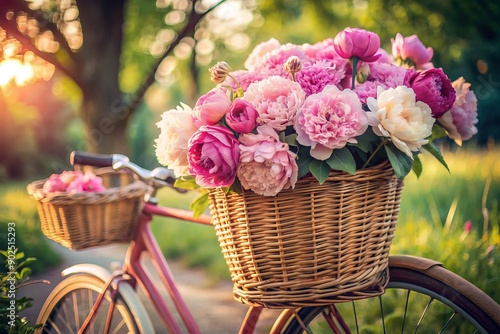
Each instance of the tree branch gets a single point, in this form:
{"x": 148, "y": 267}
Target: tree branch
{"x": 22, "y": 6}
{"x": 188, "y": 30}
{"x": 12, "y": 30}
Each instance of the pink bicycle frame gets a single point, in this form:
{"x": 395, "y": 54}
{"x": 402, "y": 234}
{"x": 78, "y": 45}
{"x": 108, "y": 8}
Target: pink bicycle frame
{"x": 145, "y": 242}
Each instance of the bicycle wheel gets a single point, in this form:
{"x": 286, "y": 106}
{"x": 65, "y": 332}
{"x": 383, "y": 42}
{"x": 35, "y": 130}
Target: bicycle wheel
{"x": 69, "y": 304}
{"x": 430, "y": 300}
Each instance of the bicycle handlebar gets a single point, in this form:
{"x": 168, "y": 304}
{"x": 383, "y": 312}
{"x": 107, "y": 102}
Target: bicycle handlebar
{"x": 96, "y": 160}
{"x": 158, "y": 177}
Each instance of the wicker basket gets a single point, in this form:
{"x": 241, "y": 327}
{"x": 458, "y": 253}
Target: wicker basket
{"x": 82, "y": 220}
{"x": 312, "y": 245}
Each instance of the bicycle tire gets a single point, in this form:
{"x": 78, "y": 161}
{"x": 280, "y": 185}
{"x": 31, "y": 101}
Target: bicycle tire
{"x": 461, "y": 306}
{"x": 59, "y": 314}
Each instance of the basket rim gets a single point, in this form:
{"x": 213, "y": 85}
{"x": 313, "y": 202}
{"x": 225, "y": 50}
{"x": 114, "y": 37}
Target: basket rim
{"x": 109, "y": 194}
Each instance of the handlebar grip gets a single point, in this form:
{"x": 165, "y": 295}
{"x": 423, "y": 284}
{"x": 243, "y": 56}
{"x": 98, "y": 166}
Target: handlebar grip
{"x": 91, "y": 159}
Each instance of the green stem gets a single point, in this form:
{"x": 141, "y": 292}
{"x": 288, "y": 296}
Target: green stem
{"x": 382, "y": 143}
{"x": 239, "y": 91}
{"x": 354, "y": 70}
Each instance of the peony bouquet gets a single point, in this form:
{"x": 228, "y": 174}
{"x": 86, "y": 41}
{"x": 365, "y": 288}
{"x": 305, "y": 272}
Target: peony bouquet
{"x": 343, "y": 104}
{"x": 73, "y": 182}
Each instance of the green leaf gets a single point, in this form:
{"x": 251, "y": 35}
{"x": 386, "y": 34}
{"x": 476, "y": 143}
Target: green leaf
{"x": 199, "y": 205}
{"x": 366, "y": 139}
{"x": 26, "y": 262}
{"x": 437, "y": 132}
{"x": 281, "y": 136}
{"x": 320, "y": 170}
{"x": 186, "y": 183}
{"x": 19, "y": 255}
{"x": 417, "y": 166}
{"x": 401, "y": 163}
{"x": 434, "y": 150}
{"x": 303, "y": 164}
{"x": 342, "y": 160}
{"x": 291, "y": 139}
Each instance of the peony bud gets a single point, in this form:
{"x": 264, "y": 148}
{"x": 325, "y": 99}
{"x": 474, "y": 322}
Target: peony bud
{"x": 293, "y": 65}
{"x": 359, "y": 43}
{"x": 219, "y": 72}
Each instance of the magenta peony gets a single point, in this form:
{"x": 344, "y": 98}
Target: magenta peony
{"x": 277, "y": 101}
{"x": 242, "y": 116}
{"x": 213, "y": 156}
{"x": 432, "y": 87}
{"x": 212, "y": 107}
{"x": 329, "y": 120}
{"x": 411, "y": 48}
{"x": 267, "y": 166}
{"x": 360, "y": 43}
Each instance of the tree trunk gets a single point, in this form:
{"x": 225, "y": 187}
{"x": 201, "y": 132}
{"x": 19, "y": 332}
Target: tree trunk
{"x": 104, "y": 115}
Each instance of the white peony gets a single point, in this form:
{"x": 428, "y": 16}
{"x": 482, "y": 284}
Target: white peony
{"x": 396, "y": 115}
{"x": 176, "y": 127}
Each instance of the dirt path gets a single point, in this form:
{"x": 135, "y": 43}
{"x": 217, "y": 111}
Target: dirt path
{"x": 211, "y": 304}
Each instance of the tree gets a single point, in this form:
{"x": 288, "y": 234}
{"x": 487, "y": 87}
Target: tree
{"x": 85, "y": 43}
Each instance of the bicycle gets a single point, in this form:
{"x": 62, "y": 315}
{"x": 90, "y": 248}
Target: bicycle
{"x": 90, "y": 299}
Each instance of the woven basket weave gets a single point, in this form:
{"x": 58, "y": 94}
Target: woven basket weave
{"x": 312, "y": 245}
{"x": 88, "y": 219}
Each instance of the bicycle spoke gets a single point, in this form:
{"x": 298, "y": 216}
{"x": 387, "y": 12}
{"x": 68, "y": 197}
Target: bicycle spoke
{"x": 423, "y": 315}
{"x": 355, "y": 317}
{"x": 448, "y": 322}
{"x": 405, "y": 311}
{"x": 382, "y": 312}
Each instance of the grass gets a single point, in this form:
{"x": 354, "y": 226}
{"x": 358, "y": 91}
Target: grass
{"x": 16, "y": 207}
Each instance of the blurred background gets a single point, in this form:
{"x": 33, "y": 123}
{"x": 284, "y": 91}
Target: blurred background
{"x": 96, "y": 75}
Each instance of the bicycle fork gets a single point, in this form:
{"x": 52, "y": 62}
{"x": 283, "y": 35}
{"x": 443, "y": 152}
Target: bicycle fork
{"x": 114, "y": 280}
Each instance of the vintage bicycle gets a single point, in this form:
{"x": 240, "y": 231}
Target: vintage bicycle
{"x": 91, "y": 299}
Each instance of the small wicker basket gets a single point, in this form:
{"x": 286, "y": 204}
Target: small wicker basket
{"x": 82, "y": 220}
{"x": 312, "y": 245}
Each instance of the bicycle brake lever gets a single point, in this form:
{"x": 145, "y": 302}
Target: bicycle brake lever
{"x": 143, "y": 174}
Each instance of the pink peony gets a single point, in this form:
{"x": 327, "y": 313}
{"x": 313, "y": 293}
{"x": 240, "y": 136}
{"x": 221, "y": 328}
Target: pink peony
{"x": 360, "y": 43}
{"x": 212, "y": 107}
{"x": 260, "y": 51}
{"x": 411, "y": 48}
{"x": 367, "y": 89}
{"x": 80, "y": 182}
{"x": 213, "y": 156}
{"x": 272, "y": 63}
{"x": 74, "y": 181}
{"x": 329, "y": 120}
{"x": 388, "y": 74}
{"x": 242, "y": 116}
{"x": 460, "y": 121}
{"x": 176, "y": 127}
{"x": 325, "y": 50}
{"x": 432, "y": 87}
{"x": 244, "y": 78}
{"x": 54, "y": 184}
{"x": 314, "y": 77}
{"x": 267, "y": 166}
{"x": 277, "y": 101}
{"x": 91, "y": 182}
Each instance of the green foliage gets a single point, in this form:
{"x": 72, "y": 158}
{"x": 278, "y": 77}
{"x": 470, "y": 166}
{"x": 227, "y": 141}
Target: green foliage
{"x": 16, "y": 207}
{"x": 13, "y": 275}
